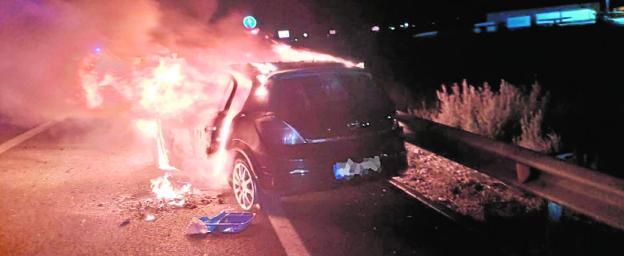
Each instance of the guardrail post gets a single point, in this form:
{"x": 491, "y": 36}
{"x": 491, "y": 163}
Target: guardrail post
{"x": 523, "y": 172}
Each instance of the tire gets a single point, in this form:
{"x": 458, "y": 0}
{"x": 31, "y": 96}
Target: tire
{"x": 244, "y": 185}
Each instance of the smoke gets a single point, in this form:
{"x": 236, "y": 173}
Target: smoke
{"x": 44, "y": 46}
{"x": 123, "y": 61}
{"x": 112, "y": 66}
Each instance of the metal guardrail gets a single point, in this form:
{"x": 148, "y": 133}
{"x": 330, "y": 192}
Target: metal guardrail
{"x": 594, "y": 194}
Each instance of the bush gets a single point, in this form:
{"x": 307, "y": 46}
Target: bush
{"x": 507, "y": 114}
{"x": 531, "y": 135}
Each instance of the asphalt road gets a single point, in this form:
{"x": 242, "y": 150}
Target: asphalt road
{"x": 8, "y": 130}
{"x": 65, "y": 192}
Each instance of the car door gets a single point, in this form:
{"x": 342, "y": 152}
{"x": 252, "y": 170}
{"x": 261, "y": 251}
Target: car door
{"x": 213, "y": 129}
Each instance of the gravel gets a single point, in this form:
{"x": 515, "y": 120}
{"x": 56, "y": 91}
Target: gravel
{"x": 463, "y": 189}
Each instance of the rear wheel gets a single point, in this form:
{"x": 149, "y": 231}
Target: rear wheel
{"x": 244, "y": 185}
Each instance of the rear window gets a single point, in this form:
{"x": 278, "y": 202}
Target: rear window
{"x": 307, "y": 92}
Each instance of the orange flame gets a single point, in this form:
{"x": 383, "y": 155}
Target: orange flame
{"x": 287, "y": 53}
{"x": 170, "y": 89}
{"x": 162, "y": 188}
{"x": 165, "y": 191}
{"x": 153, "y": 129}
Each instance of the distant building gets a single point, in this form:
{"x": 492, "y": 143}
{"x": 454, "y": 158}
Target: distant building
{"x": 563, "y": 15}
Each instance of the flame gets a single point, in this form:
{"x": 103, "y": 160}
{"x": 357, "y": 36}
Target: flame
{"x": 163, "y": 158}
{"x": 153, "y": 129}
{"x": 165, "y": 191}
{"x": 220, "y": 159}
{"x": 91, "y": 82}
{"x": 167, "y": 91}
{"x": 287, "y": 53}
{"x": 264, "y": 68}
{"x": 170, "y": 90}
{"x": 149, "y": 128}
{"x": 162, "y": 188}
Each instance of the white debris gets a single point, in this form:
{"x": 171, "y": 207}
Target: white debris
{"x": 371, "y": 163}
{"x": 351, "y": 168}
{"x": 196, "y": 226}
{"x": 149, "y": 217}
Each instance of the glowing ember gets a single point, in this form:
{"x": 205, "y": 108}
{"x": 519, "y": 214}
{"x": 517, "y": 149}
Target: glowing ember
{"x": 165, "y": 191}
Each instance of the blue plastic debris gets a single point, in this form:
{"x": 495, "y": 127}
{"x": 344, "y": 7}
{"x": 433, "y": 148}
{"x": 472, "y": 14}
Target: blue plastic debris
{"x": 554, "y": 211}
{"x": 225, "y": 222}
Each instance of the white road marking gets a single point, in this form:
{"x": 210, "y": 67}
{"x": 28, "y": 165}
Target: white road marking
{"x": 25, "y": 136}
{"x": 284, "y": 229}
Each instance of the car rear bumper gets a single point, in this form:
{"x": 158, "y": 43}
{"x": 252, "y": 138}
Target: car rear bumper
{"x": 311, "y": 168}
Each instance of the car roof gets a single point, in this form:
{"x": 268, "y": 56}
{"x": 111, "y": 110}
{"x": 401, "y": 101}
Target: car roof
{"x": 305, "y": 65}
{"x": 291, "y": 73}
{"x": 252, "y": 70}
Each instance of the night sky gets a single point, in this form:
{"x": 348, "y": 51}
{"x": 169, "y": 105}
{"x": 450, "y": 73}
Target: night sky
{"x": 311, "y": 14}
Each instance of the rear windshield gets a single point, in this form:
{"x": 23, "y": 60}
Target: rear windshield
{"x": 306, "y": 92}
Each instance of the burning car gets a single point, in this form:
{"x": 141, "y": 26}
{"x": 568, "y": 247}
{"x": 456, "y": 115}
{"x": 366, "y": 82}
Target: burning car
{"x": 308, "y": 126}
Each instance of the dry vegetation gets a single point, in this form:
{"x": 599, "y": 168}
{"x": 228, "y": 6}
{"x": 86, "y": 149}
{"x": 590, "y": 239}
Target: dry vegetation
{"x": 507, "y": 114}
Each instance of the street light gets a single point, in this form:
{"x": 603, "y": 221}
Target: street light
{"x": 283, "y": 33}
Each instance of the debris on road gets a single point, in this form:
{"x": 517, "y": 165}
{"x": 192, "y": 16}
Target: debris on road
{"x": 148, "y": 208}
{"x": 190, "y": 205}
{"x": 149, "y": 217}
{"x": 125, "y": 222}
{"x": 225, "y": 222}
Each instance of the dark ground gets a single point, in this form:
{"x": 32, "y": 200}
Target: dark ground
{"x": 62, "y": 196}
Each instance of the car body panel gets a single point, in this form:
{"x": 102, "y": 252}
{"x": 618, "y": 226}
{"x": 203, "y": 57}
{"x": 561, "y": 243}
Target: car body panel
{"x": 361, "y": 126}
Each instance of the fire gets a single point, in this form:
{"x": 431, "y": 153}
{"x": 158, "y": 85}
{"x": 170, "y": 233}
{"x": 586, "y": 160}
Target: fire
{"x": 149, "y": 128}
{"x": 165, "y": 191}
{"x": 167, "y": 90}
{"x": 153, "y": 129}
{"x": 162, "y": 188}
{"x": 287, "y": 53}
{"x": 170, "y": 92}
{"x": 91, "y": 82}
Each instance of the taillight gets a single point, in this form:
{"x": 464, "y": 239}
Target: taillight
{"x": 279, "y": 132}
